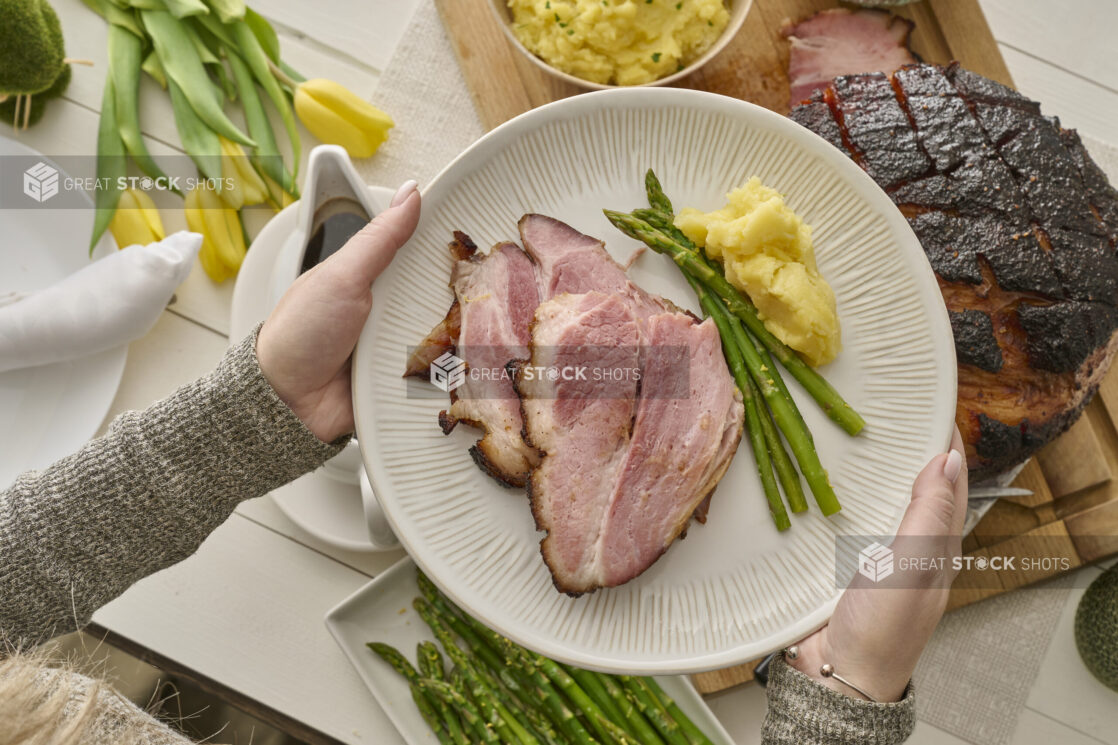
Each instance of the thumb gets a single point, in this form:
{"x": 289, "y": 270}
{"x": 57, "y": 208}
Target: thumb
{"x": 939, "y": 496}
{"x": 368, "y": 253}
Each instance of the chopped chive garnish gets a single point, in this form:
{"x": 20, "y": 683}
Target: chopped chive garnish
{"x": 655, "y": 56}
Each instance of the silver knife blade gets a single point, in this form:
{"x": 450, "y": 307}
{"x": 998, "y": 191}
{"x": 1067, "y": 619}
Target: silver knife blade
{"x": 986, "y": 492}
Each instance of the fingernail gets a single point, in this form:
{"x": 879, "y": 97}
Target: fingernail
{"x": 404, "y": 192}
{"x": 953, "y": 465}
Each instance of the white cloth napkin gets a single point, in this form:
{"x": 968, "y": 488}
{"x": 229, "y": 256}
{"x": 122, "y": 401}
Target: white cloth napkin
{"x": 108, "y": 303}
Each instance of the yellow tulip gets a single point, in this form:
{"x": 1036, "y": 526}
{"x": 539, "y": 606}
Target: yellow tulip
{"x": 223, "y": 242}
{"x": 241, "y": 184}
{"x": 336, "y": 115}
{"x": 277, "y": 196}
{"x": 136, "y": 220}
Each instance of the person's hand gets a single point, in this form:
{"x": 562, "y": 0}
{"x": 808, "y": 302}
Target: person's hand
{"x": 305, "y": 345}
{"x": 876, "y": 634}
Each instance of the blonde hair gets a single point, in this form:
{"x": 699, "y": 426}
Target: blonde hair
{"x": 42, "y": 703}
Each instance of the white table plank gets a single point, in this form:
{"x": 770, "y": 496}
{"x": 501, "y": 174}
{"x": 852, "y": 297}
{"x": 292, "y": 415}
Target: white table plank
{"x": 246, "y": 611}
{"x": 365, "y": 32}
{"x": 1079, "y": 103}
{"x": 266, "y": 512}
{"x": 1077, "y": 36}
{"x": 1034, "y": 728}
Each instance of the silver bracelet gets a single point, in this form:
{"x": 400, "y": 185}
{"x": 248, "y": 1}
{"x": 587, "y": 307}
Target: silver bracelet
{"x": 827, "y": 670}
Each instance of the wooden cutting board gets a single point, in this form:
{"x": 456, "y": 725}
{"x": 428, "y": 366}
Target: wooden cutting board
{"x": 1072, "y": 512}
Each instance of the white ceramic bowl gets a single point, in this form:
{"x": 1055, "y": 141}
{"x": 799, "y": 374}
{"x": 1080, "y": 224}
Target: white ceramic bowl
{"x": 735, "y": 588}
{"x": 739, "y": 9}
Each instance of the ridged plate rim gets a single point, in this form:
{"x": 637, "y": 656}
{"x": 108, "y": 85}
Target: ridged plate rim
{"x": 935, "y": 382}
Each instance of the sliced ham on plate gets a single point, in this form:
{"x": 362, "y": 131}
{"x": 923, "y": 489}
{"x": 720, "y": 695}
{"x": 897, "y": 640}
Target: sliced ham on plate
{"x": 495, "y": 298}
{"x": 569, "y": 261}
{"x": 582, "y": 427}
{"x": 625, "y": 463}
{"x": 615, "y": 408}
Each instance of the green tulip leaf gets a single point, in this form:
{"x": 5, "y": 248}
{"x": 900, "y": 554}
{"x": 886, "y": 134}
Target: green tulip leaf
{"x": 228, "y": 10}
{"x": 267, "y": 151}
{"x": 152, "y": 67}
{"x": 116, "y": 16}
{"x": 112, "y": 165}
{"x": 257, "y": 61}
{"x": 182, "y": 65}
{"x": 185, "y": 8}
{"x": 125, "y": 58}
{"x": 264, "y": 34}
{"x": 198, "y": 140}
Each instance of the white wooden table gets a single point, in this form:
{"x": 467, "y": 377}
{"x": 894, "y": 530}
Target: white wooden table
{"x": 246, "y": 611}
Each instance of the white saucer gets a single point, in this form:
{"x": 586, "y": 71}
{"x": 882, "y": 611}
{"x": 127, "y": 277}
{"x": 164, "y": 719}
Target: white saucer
{"x": 326, "y": 507}
{"x": 51, "y": 410}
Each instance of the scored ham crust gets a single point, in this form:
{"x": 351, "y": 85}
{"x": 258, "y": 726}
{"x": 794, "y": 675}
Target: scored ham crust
{"x": 1021, "y": 228}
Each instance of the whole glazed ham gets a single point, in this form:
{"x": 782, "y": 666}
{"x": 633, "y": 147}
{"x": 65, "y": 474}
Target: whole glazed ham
{"x": 1019, "y": 225}
{"x": 616, "y": 464}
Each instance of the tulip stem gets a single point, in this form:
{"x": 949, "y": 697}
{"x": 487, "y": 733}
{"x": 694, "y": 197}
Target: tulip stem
{"x": 282, "y": 76}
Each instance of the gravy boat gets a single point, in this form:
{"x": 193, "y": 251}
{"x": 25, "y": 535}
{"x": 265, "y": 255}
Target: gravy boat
{"x": 332, "y": 187}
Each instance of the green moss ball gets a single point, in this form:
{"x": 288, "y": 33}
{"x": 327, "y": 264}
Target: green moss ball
{"x": 31, "y": 47}
{"x": 38, "y": 101}
{"x": 1096, "y": 628}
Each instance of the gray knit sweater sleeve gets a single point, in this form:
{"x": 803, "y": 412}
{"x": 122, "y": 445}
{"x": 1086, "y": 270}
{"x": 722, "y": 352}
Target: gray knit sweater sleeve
{"x": 144, "y": 496}
{"x": 804, "y": 711}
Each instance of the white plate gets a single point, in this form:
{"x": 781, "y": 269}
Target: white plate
{"x": 328, "y": 509}
{"x": 51, "y": 410}
{"x": 381, "y": 611}
{"x": 735, "y": 588}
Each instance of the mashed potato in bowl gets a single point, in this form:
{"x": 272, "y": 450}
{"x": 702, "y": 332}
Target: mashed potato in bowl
{"x": 619, "y": 42}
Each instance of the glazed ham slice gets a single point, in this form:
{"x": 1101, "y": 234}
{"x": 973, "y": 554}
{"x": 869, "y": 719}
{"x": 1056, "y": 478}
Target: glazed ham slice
{"x": 616, "y": 460}
{"x": 624, "y": 464}
{"x": 495, "y": 297}
{"x": 842, "y": 42}
{"x": 569, "y": 261}
{"x": 582, "y": 428}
